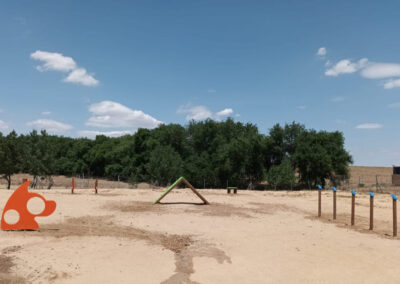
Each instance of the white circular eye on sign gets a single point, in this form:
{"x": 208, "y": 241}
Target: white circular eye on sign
{"x": 35, "y": 205}
{"x": 11, "y": 217}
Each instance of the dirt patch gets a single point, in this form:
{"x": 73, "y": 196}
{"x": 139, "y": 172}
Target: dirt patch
{"x": 270, "y": 208}
{"x": 220, "y": 210}
{"x": 184, "y": 262}
{"x": 6, "y": 263}
{"x": 183, "y": 246}
{"x": 227, "y": 210}
{"x": 11, "y": 249}
{"x": 133, "y": 206}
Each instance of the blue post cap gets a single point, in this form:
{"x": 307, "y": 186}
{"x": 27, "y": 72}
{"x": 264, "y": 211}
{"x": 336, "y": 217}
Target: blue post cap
{"x": 371, "y": 194}
{"x": 394, "y": 197}
{"x": 319, "y": 186}
{"x": 353, "y": 192}
{"x": 334, "y": 189}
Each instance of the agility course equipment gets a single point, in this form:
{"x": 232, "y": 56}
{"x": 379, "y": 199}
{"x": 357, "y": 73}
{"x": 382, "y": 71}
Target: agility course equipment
{"x": 394, "y": 215}
{"x": 319, "y": 200}
{"x": 175, "y": 184}
{"x": 371, "y": 210}
{"x": 73, "y": 186}
{"x": 353, "y": 206}
{"x": 334, "y": 202}
{"x": 228, "y": 189}
{"x": 18, "y": 202}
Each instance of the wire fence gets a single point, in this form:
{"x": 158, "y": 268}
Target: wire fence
{"x": 376, "y": 183}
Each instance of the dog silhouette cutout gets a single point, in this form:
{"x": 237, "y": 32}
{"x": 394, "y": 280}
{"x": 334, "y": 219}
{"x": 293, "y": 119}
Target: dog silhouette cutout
{"x": 18, "y": 202}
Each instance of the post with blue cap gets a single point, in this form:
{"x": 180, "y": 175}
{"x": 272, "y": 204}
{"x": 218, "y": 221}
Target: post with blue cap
{"x": 371, "y": 210}
{"x": 394, "y": 215}
{"x": 353, "y": 206}
{"x": 334, "y": 203}
{"x": 319, "y": 200}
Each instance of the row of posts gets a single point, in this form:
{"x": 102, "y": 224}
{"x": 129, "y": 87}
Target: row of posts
{"x": 353, "y": 206}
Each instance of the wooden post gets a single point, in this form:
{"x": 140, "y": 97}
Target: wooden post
{"x": 95, "y": 186}
{"x": 394, "y": 215}
{"x": 319, "y": 200}
{"x": 228, "y": 190}
{"x": 371, "y": 211}
{"x": 73, "y": 186}
{"x": 235, "y": 190}
{"x": 353, "y": 206}
{"x": 195, "y": 191}
{"x": 334, "y": 203}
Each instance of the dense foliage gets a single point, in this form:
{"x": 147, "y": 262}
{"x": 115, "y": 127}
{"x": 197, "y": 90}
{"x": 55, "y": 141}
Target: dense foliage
{"x": 207, "y": 153}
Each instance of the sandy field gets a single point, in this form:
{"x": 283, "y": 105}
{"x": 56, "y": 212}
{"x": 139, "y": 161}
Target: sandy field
{"x": 118, "y": 236}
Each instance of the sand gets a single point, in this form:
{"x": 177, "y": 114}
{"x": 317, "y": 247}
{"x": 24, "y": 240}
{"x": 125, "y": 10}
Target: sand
{"x": 118, "y": 236}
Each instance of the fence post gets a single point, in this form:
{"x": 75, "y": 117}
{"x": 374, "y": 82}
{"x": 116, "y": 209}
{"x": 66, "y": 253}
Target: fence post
{"x": 73, "y": 186}
{"x": 371, "y": 210}
{"x": 319, "y": 200}
{"x": 353, "y": 206}
{"x": 394, "y": 215}
{"x": 334, "y": 203}
{"x": 95, "y": 186}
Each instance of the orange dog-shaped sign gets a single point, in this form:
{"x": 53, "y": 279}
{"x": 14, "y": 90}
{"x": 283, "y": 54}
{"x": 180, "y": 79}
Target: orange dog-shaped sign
{"x": 18, "y": 202}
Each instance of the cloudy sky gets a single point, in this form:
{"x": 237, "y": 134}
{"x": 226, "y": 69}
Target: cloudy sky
{"x": 82, "y": 68}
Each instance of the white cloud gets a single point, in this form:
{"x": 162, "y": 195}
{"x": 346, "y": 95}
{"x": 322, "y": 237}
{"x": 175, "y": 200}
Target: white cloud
{"x": 201, "y": 112}
{"x": 211, "y": 90}
{"x": 53, "y": 61}
{"x": 224, "y": 112}
{"x": 369, "y": 70}
{"x": 195, "y": 112}
{"x": 381, "y": 70}
{"x": 346, "y": 66}
{"x": 50, "y": 125}
{"x": 394, "y": 83}
{"x": 80, "y": 76}
{"x": 46, "y": 113}
{"x": 394, "y": 105}
{"x": 112, "y": 114}
{"x": 369, "y": 126}
{"x": 93, "y": 134}
{"x": 337, "y": 99}
{"x": 321, "y": 51}
{"x": 3, "y": 125}
{"x": 301, "y": 107}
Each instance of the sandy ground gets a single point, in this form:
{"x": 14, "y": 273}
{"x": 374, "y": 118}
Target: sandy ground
{"x": 118, "y": 236}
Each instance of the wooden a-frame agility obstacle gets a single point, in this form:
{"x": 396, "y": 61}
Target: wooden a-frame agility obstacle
{"x": 175, "y": 184}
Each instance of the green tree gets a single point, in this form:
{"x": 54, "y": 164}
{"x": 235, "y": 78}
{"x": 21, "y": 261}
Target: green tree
{"x": 320, "y": 155}
{"x": 10, "y": 156}
{"x": 40, "y": 157}
{"x": 282, "y": 142}
{"x": 165, "y": 165}
{"x": 282, "y": 175}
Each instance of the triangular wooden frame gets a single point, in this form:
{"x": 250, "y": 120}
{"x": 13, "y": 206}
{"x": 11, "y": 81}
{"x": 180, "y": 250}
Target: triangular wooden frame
{"x": 175, "y": 184}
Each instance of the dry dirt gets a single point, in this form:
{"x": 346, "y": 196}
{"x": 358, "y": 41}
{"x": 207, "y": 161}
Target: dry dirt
{"x": 253, "y": 237}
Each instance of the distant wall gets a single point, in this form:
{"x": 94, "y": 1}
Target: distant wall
{"x": 368, "y": 175}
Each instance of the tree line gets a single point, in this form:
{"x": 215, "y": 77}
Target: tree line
{"x": 216, "y": 151}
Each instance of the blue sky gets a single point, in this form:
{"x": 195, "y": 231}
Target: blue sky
{"x": 77, "y": 68}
